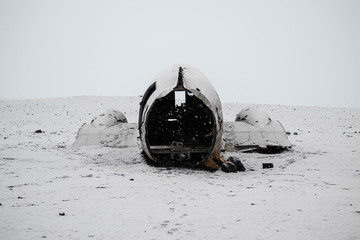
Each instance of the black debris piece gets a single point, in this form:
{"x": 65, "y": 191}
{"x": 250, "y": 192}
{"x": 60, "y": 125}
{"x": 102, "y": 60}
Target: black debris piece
{"x": 38, "y": 131}
{"x": 268, "y": 165}
{"x": 239, "y": 166}
{"x": 295, "y": 133}
{"x": 228, "y": 167}
{"x": 62, "y": 214}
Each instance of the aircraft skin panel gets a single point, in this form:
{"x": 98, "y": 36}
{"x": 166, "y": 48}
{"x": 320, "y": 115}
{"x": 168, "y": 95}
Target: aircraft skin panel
{"x": 120, "y": 135}
{"x": 241, "y": 135}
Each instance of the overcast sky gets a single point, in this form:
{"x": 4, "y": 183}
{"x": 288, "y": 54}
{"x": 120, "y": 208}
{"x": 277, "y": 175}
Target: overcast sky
{"x": 270, "y": 52}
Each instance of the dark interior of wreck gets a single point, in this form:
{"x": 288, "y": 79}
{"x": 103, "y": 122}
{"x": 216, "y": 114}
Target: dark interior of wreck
{"x": 180, "y": 133}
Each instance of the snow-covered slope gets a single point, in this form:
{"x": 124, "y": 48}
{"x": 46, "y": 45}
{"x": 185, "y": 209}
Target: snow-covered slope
{"x": 313, "y": 192}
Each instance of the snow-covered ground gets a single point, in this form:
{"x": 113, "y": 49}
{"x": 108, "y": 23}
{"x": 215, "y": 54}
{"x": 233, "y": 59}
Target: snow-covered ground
{"x": 313, "y": 192}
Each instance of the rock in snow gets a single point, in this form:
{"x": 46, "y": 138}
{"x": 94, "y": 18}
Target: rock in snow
{"x": 239, "y": 166}
{"x": 228, "y": 167}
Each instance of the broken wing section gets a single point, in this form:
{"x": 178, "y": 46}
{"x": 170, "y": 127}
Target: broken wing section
{"x": 254, "y": 130}
{"x": 119, "y": 135}
{"x": 109, "y": 129}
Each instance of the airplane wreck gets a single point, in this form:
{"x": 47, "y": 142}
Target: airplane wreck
{"x": 181, "y": 124}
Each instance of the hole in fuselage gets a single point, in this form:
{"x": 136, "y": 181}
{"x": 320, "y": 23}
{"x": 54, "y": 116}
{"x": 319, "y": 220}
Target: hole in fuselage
{"x": 180, "y": 97}
{"x": 180, "y": 129}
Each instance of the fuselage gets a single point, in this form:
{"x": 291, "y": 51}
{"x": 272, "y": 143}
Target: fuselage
{"x": 180, "y": 118}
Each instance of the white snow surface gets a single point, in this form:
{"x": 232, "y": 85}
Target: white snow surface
{"x": 313, "y": 192}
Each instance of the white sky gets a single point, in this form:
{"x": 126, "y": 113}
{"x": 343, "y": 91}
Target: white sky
{"x": 270, "y": 52}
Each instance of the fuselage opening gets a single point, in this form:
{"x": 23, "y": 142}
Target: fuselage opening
{"x": 180, "y": 129}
